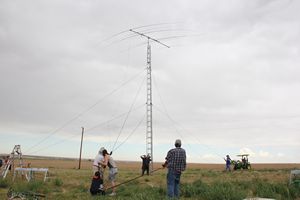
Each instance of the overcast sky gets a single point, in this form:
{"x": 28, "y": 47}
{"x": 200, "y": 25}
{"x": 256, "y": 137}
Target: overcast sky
{"x": 228, "y": 84}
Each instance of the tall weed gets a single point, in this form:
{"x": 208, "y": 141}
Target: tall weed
{"x": 4, "y": 183}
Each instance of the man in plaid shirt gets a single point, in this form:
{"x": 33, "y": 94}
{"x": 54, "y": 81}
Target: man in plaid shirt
{"x": 176, "y": 163}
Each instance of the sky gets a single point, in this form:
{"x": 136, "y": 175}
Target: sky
{"x": 228, "y": 84}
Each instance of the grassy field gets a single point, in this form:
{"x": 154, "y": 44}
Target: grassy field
{"x": 199, "y": 181}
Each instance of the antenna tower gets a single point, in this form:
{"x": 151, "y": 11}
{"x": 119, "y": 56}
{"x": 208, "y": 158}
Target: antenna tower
{"x": 149, "y": 129}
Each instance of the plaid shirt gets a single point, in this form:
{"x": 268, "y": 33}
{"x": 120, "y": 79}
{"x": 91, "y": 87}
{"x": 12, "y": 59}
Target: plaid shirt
{"x": 176, "y": 159}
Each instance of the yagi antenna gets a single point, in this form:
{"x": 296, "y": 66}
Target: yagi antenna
{"x": 149, "y": 132}
{"x": 149, "y": 38}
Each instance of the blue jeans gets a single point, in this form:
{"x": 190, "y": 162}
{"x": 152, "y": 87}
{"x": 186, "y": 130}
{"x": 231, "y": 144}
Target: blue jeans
{"x": 227, "y": 167}
{"x": 173, "y": 180}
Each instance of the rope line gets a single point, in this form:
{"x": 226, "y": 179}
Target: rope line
{"x": 117, "y": 185}
{"x": 130, "y": 109}
{"x": 114, "y": 118}
{"x": 138, "y": 125}
{"x": 85, "y": 111}
{"x": 138, "y": 27}
{"x": 76, "y": 135}
{"x": 169, "y": 117}
{"x": 190, "y": 133}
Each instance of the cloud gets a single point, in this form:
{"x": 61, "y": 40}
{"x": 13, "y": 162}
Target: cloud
{"x": 280, "y": 155}
{"x": 208, "y": 158}
{"x": 246, "y": 150}
{"x": 228, "y": 82}
{"x": 264, "y": 154}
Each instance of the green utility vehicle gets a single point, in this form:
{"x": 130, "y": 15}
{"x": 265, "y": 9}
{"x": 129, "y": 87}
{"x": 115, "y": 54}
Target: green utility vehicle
{"x": 241, "y": 164}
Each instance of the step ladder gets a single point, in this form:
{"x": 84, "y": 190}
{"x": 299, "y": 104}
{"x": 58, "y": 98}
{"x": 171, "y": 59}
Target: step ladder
{"x": 9, "y": 163}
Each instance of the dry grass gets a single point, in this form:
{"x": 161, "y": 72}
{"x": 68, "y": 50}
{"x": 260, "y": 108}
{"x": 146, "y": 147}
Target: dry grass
{"x": 130, "y": 165}
{"x": 77, "y": 182}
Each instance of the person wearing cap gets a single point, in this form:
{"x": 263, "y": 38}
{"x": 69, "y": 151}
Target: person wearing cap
{"x": 96, "y": 164}
{"x": 176, "y": 164}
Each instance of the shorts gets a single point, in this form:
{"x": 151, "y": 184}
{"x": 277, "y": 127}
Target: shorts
{"x": 112, "y": 174}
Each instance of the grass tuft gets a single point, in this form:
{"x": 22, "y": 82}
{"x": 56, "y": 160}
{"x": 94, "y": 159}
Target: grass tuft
{"x": 58, "y": 182}
{"x": 4, "y": 183}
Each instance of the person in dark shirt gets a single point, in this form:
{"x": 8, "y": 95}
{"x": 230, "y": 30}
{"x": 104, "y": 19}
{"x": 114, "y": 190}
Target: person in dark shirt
{"x": 146, "y": 163}
{"x": 176, "y": 163}
{"x": 97, "y": 184}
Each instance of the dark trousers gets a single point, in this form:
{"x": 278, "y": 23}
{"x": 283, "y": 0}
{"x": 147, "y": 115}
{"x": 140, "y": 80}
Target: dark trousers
{"x": 145, "y": 168}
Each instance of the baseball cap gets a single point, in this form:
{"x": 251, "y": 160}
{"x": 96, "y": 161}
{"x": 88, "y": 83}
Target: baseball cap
{"x": 178, "y": 141}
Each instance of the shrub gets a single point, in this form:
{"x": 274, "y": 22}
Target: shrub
{"x": 30, "y": 188}
{"x": 3, "y": 183}
{"x": 133, "y": 192}
{"x": 58, "y": 182}
{"x": 217, "y": 190}
{"x": 210, "y": 173}
{"x": 195, "y": 189}
{"x": 224, "y": 190}
{"x": 274, "y": 190}
{"x": 34, "y": 186}
{"x": 294, "y": 191}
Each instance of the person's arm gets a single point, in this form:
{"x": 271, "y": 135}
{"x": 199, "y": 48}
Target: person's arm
{"x": 167, "y": 158}
{"x": 184, "y": 160}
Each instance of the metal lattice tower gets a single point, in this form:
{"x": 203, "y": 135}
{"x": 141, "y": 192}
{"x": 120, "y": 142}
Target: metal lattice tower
{"x": 149, "y": 128}
{"x": 149, "y": 136}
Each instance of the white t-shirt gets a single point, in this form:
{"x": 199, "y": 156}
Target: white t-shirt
{"x": 98, "y": 158}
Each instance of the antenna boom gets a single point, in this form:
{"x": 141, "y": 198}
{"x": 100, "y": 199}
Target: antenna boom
{"x": 149, "y": 38}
